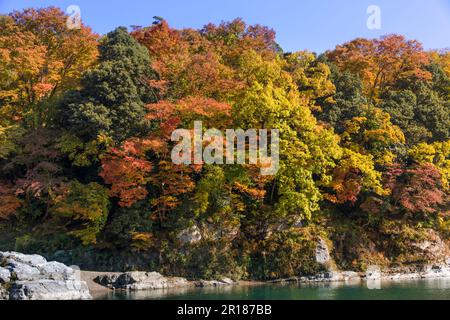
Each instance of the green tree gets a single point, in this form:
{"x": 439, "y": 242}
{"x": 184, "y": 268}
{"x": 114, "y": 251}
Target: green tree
{"x": 402, "y": 106}
{"x": 348, "y": 101}
{"x": 83, "y": 210}
{"x": 114, "y": 94}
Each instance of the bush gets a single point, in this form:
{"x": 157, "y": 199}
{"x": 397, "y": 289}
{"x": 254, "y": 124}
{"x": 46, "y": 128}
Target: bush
{"x": 284, "y": 254}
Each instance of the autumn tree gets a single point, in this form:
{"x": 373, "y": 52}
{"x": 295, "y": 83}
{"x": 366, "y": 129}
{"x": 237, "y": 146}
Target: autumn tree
{"x": 82, "y": 210}
{"x": 437, "y": 154}
{"x": 354, "y": 176}
{"x": 127, "y": 171}
{"x": 420, "y": 108}
{"x": 417, "y": 189}
{"x": 313, "y": 77}
{"x": 37, "y": 171}
{"x": 186, "y": 62}
{"x": 381, "y": 63}
{"x": 10, "y": 203}
{"x": 304, "y": 164}
{"x": 373, "y": 133}
{"x": 41, "y": 58}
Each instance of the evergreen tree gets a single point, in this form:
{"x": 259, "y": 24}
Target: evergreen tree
{"x": 114, "y": 94}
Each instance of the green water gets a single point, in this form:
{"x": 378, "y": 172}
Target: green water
{"x": 415, "y": 289}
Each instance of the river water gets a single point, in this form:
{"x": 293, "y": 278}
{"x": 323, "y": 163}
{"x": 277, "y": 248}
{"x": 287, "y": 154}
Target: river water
{"x": 389, "y": 290}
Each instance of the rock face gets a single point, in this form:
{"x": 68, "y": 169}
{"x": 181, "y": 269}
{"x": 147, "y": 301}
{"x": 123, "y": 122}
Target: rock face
{"x": 137, "y": 280}
{"x": 322, "y": 253}
{"x": 214, "y": 283}
{"x": 5, "y": 275}
{"x": 49, "y": 290}
{"x": 190, "y": 236}
{"x": 31, "y": 277}
{"x": 216, "y": 232}
{"x": 433, "y": 248}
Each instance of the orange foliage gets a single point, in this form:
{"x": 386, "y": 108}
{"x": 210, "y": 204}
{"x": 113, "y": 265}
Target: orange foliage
{"x": 9, "y": 203}
{"x": 43, "y": 58}
{"x": 126, "y": 169}
{"x": 382, "y": 62}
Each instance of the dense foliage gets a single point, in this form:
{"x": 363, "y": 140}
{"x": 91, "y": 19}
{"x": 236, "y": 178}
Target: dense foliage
{"x": 85, "y": 143}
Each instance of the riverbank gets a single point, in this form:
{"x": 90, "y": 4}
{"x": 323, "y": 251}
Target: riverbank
{"x": 32, "y": 277}
{"x": 101, "y": 283}
{"x": 99, "y": 291}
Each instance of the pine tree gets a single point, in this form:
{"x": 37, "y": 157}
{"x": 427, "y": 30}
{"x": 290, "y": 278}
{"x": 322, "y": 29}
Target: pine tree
{"x": 113, "y": 98}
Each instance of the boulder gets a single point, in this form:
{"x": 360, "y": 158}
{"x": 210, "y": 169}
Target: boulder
{"x": 227, "y": 281}
{"x": 32, "y": 259}
{"x": 31, "y": 277}
{"x": 350, "y": 276}
{"x": 23, "y": 272}
{"x": 436, "y": 271}
{"x": 56, "y": 271}
{"x": 137, "y": 280}
{"x": 333, "y": 276}
{"x": 49, "y": 290}
{"x": 214, "y": 283}
{"x": 107, "y": 280}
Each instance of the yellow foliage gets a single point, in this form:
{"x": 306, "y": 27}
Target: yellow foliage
{"x": 142, "y": 241}
{"x": 437, "y": 154}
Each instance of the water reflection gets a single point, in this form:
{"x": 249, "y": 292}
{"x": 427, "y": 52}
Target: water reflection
{"x": 358, "y": 290}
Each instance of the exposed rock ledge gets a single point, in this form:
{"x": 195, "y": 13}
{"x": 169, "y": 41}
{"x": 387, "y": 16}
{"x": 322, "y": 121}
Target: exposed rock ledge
{"x": 137, "y": 280}
{"x": 426, "y": 272}
{"x": 32, "y": 277}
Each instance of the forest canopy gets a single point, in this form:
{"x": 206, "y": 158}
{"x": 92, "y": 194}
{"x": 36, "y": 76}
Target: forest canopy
{"x": 85, "y": 141}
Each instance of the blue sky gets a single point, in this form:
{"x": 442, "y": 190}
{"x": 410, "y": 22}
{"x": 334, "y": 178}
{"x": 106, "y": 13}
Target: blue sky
{"x": 316, "y": 25}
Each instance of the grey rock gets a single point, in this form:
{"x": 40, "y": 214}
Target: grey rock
{"x": 350, "y": 276}
{"x": 286, "y": 224}
{"x": 23, "y": 272}
{"x": 56, "y": 271}
{"x": 298, "y": 223}
{"x": 216, "y": 232}
{"x": 332, "y": 276}
{"x": 107, "y": 280}
{"x": 322, "y": 253}
{"x": 31, "y": 277}
{"x": 3, "y": 293}
{"x": 49, "y": 290}
{"x": 191, "y": 235}
{"x": 227, "y": 281}
{"x": 214, "y": 283}
{"x": 436, "y": 271}
{"x": 32, "y": 259}
{"x": 5, "y": 275}
{"x": 137, "y": 280}
{"x": 433, "y": 249}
